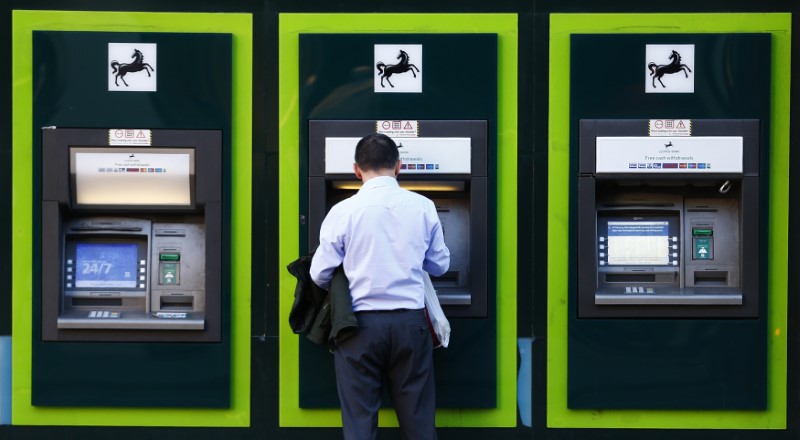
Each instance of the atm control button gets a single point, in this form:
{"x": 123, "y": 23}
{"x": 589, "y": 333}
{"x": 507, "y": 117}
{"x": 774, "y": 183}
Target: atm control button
{"x": 169, "y": 257}
{"x": 602, "y": 246}
{"x": 69, "y": 285}
{"x": 142, "y": 262}
{"x": 628, "y": 289}
{"x": 602, "y": 254}
{"x": 69, "y": 277}
{"x": 69, "y": 269}
{"x": 141, "y": 286}
{"x": 93, "y": 314}
{"x": 141, "y": 278}
{"x": 675, "y": 239}
{"x": 641, "y": 289}
{"x": 602, "y": 239}
{"x": 141, "y": 270}
{"x": 69, "y": 262}
{"x": 651, "y": 290}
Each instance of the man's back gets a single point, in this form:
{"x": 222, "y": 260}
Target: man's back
{"x": 387, "y": 237}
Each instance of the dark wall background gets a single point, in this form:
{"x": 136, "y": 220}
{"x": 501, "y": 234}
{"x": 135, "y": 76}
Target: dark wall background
{"x": 532, "y": 141}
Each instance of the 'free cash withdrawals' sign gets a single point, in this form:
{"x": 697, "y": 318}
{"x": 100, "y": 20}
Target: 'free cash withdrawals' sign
{"x": 702, "y": 154}
{"x": 431, "y": 155}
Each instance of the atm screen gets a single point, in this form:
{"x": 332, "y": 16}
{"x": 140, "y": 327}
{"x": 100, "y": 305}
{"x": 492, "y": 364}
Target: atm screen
{"x": 106, "y": 265}
{"x": 638, "y": 241}
{"x": 132, "y": 176}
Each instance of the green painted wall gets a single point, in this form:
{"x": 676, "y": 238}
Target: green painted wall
{"x": 562, "y": 26}
{"x": 534, "y": 77}
{"x": 291, "y": 25}
{"x": 24, "y": 23}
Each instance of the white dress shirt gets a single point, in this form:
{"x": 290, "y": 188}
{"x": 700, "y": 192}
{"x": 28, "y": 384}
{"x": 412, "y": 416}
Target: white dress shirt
{"x": 386, "y": 237}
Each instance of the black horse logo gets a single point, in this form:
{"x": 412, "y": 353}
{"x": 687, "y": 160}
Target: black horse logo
{"x": 667, "y": 145}
{"x": 657, "y": 71}
{"x": 385, "y": 71}
{"x": 138, "y": 64}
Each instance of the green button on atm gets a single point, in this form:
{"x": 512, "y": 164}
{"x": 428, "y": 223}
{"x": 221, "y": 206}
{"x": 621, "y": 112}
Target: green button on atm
{"x": 169, "y": 269}
{"x": 703, "y": 243}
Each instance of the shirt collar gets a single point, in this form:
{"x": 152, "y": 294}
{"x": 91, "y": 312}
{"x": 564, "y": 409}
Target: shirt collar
{"x": 380, "y": 181}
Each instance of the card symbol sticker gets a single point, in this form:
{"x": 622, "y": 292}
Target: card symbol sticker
{"x": 129, "y": 76}
{"x": 677, "y": 59}
{"x": 393, "y": 64}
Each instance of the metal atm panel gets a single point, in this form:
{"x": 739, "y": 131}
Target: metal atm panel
{"x": 456, "y": 181}
{"x": 128, "y": 255}
{"x": 668, "y": 225}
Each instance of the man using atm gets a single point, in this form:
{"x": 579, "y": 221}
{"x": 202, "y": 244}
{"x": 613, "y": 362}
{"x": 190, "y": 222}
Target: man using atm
{"x": 385, "y": 237}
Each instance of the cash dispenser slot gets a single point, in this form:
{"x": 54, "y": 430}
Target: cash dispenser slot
{"x": 711, "y": 278}
{"x": 670, "y": 239}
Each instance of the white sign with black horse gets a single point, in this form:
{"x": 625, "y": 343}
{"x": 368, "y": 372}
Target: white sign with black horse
{"x": 669, "y": 68}
{"x": 132, "y": 67}
{"x": 398, "y": 68}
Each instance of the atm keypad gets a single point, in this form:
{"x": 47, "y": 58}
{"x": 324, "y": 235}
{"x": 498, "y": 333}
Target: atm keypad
{"x": 639, "y": 290}
{"x": 104, "y": 314}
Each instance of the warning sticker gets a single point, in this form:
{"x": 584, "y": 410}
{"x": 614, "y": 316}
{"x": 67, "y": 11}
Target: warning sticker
{"x": 130, "y": 136}
{"x": 670, "y": 127}
{"x": 398, "y": 128}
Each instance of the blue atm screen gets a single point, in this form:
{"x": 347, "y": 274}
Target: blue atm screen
{"x": 105, "y": 265}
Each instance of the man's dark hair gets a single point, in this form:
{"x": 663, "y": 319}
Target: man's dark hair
{"x": 376, "y": 152}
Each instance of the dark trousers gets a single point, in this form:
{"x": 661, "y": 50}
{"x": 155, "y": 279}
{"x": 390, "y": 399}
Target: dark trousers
{"x": 395, "y": 345}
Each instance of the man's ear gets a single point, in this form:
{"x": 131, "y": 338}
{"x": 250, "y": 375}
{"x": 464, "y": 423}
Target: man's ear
{"x": 357, "y": 171}
{"x": 397, "y": 168}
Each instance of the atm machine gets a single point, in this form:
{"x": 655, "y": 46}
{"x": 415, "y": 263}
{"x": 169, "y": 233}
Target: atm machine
{"x": 668, "y": 225}
{"x": 443, "y": 160}
{"x": 131, "y": 235}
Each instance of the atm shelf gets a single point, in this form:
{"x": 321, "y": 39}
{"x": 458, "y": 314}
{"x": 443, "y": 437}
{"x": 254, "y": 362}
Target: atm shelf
{"x": 132, "y": 323}
{"x": 668, "y": 299}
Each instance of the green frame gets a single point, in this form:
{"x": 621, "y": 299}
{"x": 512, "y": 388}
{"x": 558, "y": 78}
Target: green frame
{"x": 241, "y": 27}
{"x": 561, "y": 27}
{"x": 505, "y": 25}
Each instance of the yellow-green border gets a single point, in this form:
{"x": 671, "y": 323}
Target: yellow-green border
{"x": 23, "y": 24}
{"x": 505, "y": 25}
{"x": 561, "y": 27}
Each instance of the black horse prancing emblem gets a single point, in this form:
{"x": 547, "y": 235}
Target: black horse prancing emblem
{"x": 385, "y": 71}
{"x": 657, "y": 71}
{"x": 138, "y": 64}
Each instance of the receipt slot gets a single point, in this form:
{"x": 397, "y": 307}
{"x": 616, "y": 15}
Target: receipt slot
{"x": 443, "y": 160}
{"x": 668, "y": 226}
{"x": 131, "y": 236}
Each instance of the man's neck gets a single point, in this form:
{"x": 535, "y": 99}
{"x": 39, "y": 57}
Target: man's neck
{"x": 366, "y": 175}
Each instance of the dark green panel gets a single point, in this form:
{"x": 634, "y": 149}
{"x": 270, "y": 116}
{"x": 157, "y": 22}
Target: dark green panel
{"x": 460, "y": 83}
{"x": 194, "y": 92}
{"x": 669, "y": 363}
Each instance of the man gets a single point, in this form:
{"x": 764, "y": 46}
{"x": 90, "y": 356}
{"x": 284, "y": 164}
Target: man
{"x": 385, "y": 237}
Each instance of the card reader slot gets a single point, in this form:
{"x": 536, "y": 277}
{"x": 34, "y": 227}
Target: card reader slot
{"x": 170, "y": 233}
{"x": 96, "y": 302}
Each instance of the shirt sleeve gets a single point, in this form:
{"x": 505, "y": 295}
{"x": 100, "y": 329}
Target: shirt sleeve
{"x": 330, "y": 252}
{"x": 437, "y": 257}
